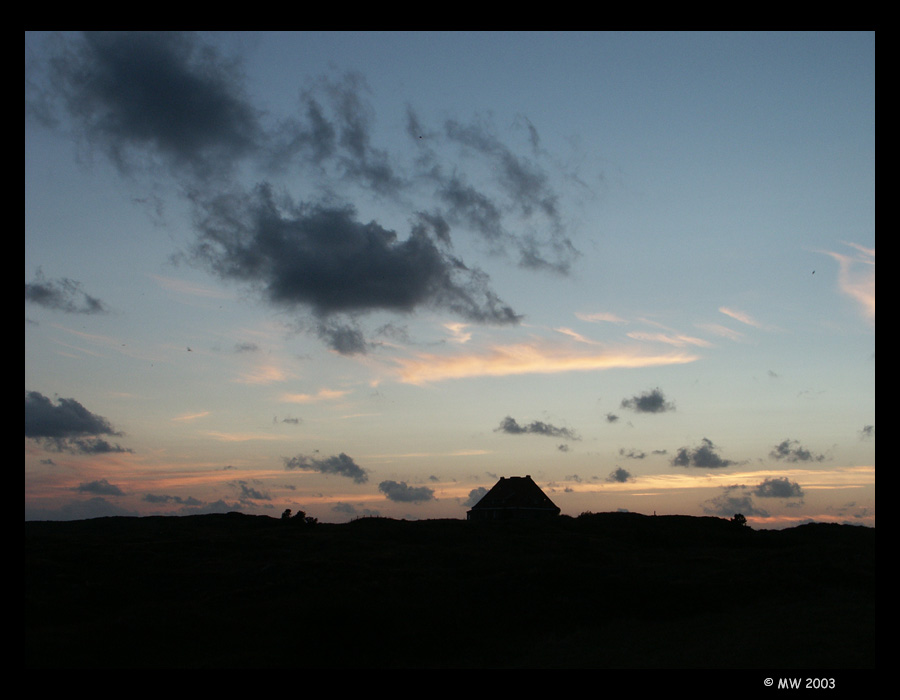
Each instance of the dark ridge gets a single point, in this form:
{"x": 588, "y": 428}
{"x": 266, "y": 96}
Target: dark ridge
{"x": 603, "y": 590}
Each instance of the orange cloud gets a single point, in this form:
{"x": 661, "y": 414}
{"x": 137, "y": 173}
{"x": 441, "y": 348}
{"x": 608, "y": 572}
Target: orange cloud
{"x": 321, "y": 395}
{"x": 524, "y": 358}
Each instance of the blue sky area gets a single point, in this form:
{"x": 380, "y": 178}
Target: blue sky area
{"x": 370, "y": 273}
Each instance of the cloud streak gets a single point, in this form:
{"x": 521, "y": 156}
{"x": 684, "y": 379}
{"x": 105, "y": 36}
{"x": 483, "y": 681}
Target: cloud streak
{"x": 510, "y": 426}
{"x": 63, "y": 295}
{"x": 340, "y": 465}
{"x": 525, "y": 358}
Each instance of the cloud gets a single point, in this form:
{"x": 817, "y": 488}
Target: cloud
{"x": 249, "y": 493}
{"x": 475, "y": 495}
{"x": 603, "y": 316}
{"x": 67, "y": 426}
{"x": 162, "y": 498}
{"x": 324, "y": 258}
{"x": 402, "y": 492}
{"x": 740, "y": 316}
{"x": 100, "y": 487}
{"x": 524, "y": 358}
{"x": 726, "y": 506}
{"x": 171, "y": 105}
{"x": 62, "y": 295}
{"x": 856, "y": 277}
{"x": 160, "y": 95}
{"x": 649, "y": 402}
{"x": 676, "y": 340}
{"x": 321, "y": 395}
{"x": 341, "y": 465}
{"x": 704, "y": 457}
{"x": 792, "y": 451}
{"x": 866, "y": 432}
{"x": 632, "y": 454}
{"x": 778, "y": 488}
{"x": 619, "y": 475}
{"x": 511, "y": 427}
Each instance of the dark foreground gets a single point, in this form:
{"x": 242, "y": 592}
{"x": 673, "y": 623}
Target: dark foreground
{"x": 609, "y": 590}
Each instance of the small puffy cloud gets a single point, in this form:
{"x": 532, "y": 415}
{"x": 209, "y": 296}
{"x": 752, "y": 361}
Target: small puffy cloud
{"x": 509, "y": 426}
{"x": 778, "y": 488}
{"x": 632, "y": 454}
{"x": 475, "y": 495}
{"x": 341, "y": 465}
{"x": 401, "y": 491}
{"x": 649, "y": 402}
{"x": 62, "y": 295}
{"x": 867, "y": 432}
{"x": 792, "y": 451}
{"x": 249, "y": 493}
{"x": 67, "y": 426}
{"x": 704, "y": 457}
{"x": 101, "y": 487}
{"x": 619, "y": 476}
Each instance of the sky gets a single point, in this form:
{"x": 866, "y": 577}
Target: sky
{"x": 367, "y": 274}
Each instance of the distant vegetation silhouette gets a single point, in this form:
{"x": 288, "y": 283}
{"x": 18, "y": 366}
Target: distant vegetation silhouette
{"x": 601, "y": 590}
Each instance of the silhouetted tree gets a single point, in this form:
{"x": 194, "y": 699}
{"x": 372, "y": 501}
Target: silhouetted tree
{"x": 739, "y": 520}
{"x": 287, "y": 514}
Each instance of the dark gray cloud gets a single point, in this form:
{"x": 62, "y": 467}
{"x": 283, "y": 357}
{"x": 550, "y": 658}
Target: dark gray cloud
{"x": 511, "y": 427}
{"x": 792, "y": 451}
{"x": 325, "y": 259}
{"x": 341, "y": 465}
{"x": 62, "y": 295}
{"x": 475, "y": 495}
{"x": 649, "y": 402}
{"x": 401, "y": 491}
{"x": 778, "y": 488}
{"x": 619, "y": 475}
{"x": 611, "y": 418}
{"x": 704, "y": 456}
{"x": 101, "y": 487}
{"x": 632, "y": 454}
{"x": 728, "y": 504}
{"x": 169, "y": 104}
{"x": 867, "y": 432}
{"x": 163, "y": 498}
{"x": 250, "y": 493}
{"x": 67, "y": 425}
{"x": 165, "y": 95}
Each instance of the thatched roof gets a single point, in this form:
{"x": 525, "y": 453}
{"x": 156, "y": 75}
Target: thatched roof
{"x": 514, "y": 496}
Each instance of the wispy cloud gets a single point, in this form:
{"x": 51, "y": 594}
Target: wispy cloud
{"x": 263, "y": 374}
{"x": 600, "y": 316}
{"x": 64, "y": 295}
{"x": 191, "y": 416}
{"x": 856, "y": 277}
{"x": 526, "y": 358}
{"x": 321, "y": 395}
{"x": 678, "y": 341}
{"x": 741, "y": 316}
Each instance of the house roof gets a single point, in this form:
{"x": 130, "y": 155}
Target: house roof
{"x": 516, "y": 492}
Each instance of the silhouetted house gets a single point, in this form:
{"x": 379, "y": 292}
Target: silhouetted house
{"x": 514, "y": 498}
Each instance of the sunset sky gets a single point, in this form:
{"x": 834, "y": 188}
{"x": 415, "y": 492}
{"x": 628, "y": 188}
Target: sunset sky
{"x": 370, "y": 273}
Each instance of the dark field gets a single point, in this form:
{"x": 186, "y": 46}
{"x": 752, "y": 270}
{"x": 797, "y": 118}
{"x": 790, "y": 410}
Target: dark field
{"x": 608, "y": 590}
